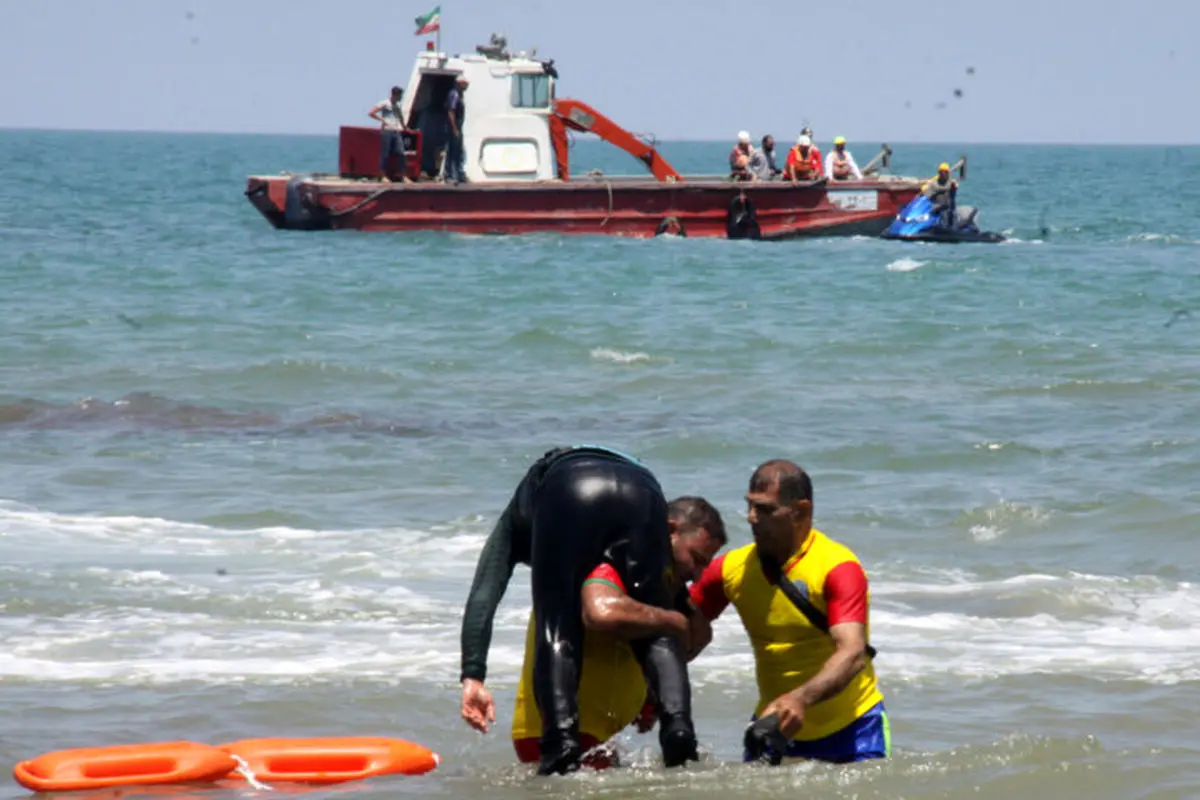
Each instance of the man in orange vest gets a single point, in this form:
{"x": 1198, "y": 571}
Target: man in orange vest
{"x": 803, "y": 161}
{"x": 804, "y": 603}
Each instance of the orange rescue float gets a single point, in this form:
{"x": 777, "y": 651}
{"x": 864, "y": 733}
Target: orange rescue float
{"x": 124, "y": 765}
{"x": 330, "y": 760}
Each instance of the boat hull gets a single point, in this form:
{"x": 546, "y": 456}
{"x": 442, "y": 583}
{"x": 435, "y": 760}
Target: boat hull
{"x": 629, "y": 207}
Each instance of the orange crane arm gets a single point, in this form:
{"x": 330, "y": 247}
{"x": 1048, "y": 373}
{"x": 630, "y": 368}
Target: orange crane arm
{"x": 580, "y": 116}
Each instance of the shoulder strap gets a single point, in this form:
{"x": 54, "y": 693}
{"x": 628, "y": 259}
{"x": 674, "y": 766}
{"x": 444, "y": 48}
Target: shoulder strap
{"x": 802, "y": 603}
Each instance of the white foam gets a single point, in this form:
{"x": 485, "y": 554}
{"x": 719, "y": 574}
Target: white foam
{"x": 1168, "y": 238}
{"x": 905, "y": 265}
{"x": 620, "y": 357}
{"x": 1097, "y": 626}
{"x": 137, "y": 601}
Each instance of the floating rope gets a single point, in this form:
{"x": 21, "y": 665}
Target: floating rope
{"x": 244, "y": 770}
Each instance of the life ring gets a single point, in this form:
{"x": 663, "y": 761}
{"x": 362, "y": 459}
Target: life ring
{"x": 124, "y": 765}
{"x": 330, "y": 760}
{"x": 671, "y": 226}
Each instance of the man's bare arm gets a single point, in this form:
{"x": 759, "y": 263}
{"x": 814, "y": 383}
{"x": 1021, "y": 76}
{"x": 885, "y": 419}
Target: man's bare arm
{"x": 848, "y": 659}
{"x": 606, "y": 608}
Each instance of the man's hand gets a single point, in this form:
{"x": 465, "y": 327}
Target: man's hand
{"x": 790, "y": 707}
{"x": 677, "y": 625}
{"x": 848, "y": 659}
{"x": 478, "y": 707}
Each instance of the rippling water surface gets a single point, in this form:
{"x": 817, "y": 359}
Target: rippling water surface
{"x": 245, "y": 474}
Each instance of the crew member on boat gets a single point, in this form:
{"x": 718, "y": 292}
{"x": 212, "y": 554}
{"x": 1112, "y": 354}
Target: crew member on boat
{"x": 745, "y": 163}
{"x": 612, "y": 690}
{"x": 807, "y": 131}
{"x": 840, "y": 164}
{"x": 769, "y": 170}
{"x": 803, "y": 161}
{"x": 575, "y": 508}
{"x": 391, "y": 133}
{"x": 454, "y": 168}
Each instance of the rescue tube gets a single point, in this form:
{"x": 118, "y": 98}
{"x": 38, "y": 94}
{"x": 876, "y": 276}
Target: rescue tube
{"x": 330, "y": 760}
{"x": 124, "y": 765}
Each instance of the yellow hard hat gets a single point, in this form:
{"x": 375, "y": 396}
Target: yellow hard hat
{"x": 839, "y": 140}
{"x": 943, "y": 167}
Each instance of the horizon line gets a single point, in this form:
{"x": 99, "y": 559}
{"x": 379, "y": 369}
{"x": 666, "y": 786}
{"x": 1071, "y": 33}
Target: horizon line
{"x": 664, "y": 140}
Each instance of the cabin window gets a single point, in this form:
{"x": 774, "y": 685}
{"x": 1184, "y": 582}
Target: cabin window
{"x": 531, "y": 91}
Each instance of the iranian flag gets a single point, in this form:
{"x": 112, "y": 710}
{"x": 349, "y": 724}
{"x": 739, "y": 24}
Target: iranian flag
{"x": 429, "y": 22}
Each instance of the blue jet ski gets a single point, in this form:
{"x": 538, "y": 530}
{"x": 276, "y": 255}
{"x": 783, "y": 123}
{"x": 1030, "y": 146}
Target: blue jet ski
{"x": 918, "y": 222}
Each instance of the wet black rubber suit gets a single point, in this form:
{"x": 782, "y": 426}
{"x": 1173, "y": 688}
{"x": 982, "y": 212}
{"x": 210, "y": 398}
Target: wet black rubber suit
{"x": 573, "y": 509}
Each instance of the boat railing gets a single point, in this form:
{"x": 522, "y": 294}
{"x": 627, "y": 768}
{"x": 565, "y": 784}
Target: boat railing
{"x": 596, "y": 176}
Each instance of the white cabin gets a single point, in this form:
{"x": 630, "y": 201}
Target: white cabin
{"x": 508, "y": 102}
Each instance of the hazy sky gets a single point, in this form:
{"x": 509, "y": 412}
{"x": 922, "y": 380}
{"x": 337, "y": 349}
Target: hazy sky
{"x": 1048, "y": 71}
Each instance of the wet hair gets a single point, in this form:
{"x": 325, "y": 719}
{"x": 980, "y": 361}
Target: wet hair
{"x": 792, "y": 481}
{"x": 692, "y": 514}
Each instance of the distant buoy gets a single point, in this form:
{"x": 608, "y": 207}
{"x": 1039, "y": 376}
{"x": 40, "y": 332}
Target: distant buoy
{"x": 330, "y": 760}
{"x": 124, "y": 765}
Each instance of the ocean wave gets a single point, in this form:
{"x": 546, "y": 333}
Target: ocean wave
{"x": 145, "y": 600}
{"x": 1161, "y": 238}
{"x": 623, "y": 357}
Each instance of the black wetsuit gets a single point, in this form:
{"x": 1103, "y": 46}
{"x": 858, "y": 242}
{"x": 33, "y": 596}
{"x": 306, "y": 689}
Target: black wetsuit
{"x": 573, "y": 509}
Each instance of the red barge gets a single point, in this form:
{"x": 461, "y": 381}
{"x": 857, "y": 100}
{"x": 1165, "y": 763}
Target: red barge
{"x": 519, "y": 178}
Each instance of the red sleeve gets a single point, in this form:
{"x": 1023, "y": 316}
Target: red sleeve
{"x": 846, "y": 593}
{"x": 607, "y": 573}
{"x": 708, "y": 592}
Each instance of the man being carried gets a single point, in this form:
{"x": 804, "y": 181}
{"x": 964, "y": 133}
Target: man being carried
{"x": 612, "y": 690}
{"x": 575, "y": 508}
{"x": 803, "y": 601}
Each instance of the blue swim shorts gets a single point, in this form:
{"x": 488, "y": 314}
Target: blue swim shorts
{"x": 867, "y": 737}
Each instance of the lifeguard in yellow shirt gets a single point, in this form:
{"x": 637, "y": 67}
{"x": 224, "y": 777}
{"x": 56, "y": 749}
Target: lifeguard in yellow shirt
{"x": 813, "y": 667}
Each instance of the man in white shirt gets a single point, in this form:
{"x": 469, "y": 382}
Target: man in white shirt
{"x": 839, "y": 164}
{"x": 391, "y": 133}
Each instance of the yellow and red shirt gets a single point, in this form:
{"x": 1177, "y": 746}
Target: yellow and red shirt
{"x": 612, "y": 688}
{"x": 788, "y": 649}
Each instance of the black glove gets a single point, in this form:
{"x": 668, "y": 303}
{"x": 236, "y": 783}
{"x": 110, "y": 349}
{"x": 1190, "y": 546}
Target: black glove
{"x": 764, "y": 741}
